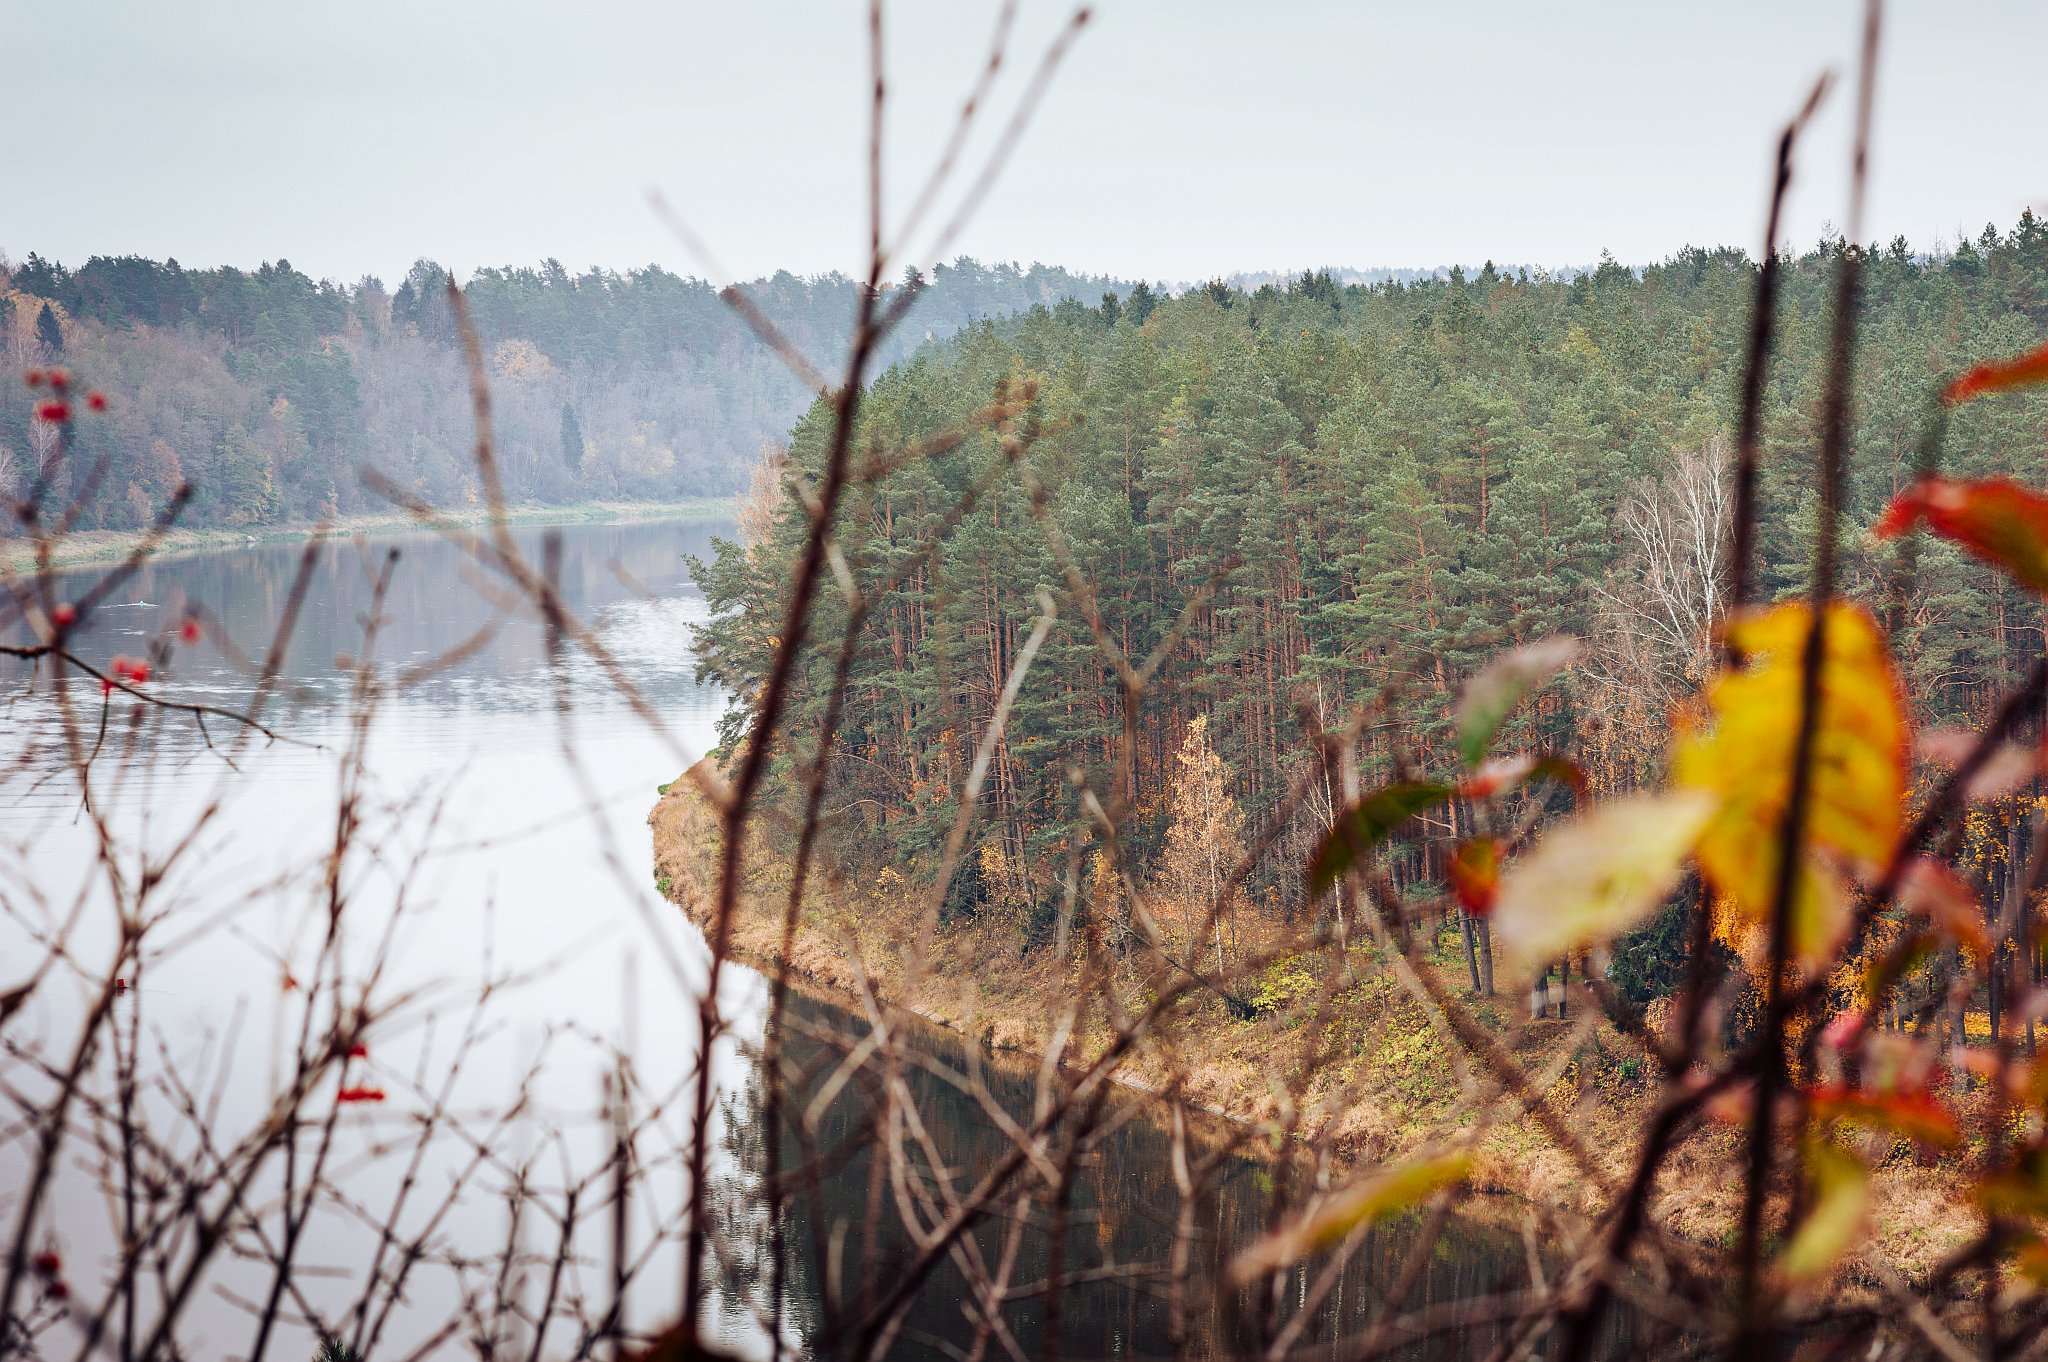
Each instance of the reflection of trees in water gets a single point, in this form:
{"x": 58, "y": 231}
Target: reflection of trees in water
{"x": 627, "y": 579}
{"x": 845, "y": 1229}
{"x": 742, "y": 1230}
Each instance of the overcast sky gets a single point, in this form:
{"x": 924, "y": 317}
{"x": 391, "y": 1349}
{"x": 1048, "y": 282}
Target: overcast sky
{"x": 1183, "y": 139}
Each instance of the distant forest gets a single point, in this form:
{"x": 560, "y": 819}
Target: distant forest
{"x": 1361, "y": 493}
{"x": 270, "y": 391}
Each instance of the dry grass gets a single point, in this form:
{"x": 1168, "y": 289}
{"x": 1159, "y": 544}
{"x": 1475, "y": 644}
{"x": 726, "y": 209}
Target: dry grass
{"x": 1393, "y": 1068}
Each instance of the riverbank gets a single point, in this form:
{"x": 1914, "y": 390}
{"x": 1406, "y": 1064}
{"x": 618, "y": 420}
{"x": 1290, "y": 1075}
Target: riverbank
{"x": 1389, "y": 1083}
{"x": 89, "y": 547}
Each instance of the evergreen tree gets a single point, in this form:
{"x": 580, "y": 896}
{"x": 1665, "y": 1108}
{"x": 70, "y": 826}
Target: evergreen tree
{"x": 49, "y": 332}
{"x": 1334, "y": 497}
{"x": 242, "y": 487}
{"x": 1138, "y": 306}
{"x": 572, "y": 438}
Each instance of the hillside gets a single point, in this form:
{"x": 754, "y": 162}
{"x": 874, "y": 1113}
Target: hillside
{"x": 270, "y": 391}
{"x": 1325, "y": 500}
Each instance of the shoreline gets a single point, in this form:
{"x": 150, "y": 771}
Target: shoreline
{"x": 1496, "y": 1204}
{"x": 88, "y": 548}
{"x": 1516, "y": 1170}
{"x": 1009, "y": 1017}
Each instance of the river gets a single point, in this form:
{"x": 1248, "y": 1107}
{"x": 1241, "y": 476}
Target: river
{"x": 513, "y": 862}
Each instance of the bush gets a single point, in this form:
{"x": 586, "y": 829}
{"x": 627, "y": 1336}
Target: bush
{"x": 1041, "y": 922}
{"x": 967, "y": 892}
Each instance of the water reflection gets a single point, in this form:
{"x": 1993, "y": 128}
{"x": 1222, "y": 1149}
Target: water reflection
{"x": 630, "y": 580}
{"x": 1122, "y": 1217}
{"x": 513, "y": 835}
{"x": 519, "y": 861}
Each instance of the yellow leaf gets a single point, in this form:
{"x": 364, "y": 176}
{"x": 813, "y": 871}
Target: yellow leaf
{"x": 1596, "y": 876}
{"x": 1367, "y": 1202}
{"x": 1856, "y": 811}
{"x": 1840, "y": 1201}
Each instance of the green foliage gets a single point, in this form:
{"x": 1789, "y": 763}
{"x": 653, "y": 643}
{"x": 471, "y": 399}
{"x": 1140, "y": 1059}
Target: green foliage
{"x": 642, "y": 384}
{"x": 335, "y": 1350}
{"x": 572, "y": 438}
{"x": 1649, "y": 962}
{"x": 48, "y": 332}
{"x": 243, "y": 487}
{"x": 1283, "y": 982}
{"x": 966, "y": 894}
{"x": 1368, "y": 823}
{"x": 1356, "y": 495}
{"x": 1041, "y": 923}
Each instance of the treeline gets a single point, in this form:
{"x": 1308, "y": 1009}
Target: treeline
{"x": 1356, "y": 495}
{"x": 270, "y": 391}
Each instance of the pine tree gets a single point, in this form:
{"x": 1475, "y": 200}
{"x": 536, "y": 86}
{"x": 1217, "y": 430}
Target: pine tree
{"x": 572, "y": 438}
{"x": 49, "y": 332}
{"x": 244, "y": 482}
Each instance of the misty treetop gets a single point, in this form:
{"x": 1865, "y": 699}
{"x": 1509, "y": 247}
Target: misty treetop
{"x": 1357, "y": 494}
{"x": 270, "y": 391}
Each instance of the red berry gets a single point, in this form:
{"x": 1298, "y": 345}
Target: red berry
{"x": 359, "y": 1051}
{"x": 59, "y": 1291}
{"x": 360, "y": 1095}
{"x": 64, "y": 616}
{"x": 47, "y": 1263}
{"x": 106, "y": 685}
{"x": 96, "y": 399}
{"x": 59, "y": 380}
{"x": 138, "y": 672}
{"x": 120, "y": 986}
{"x": 33, "y": 377}
{"x": 54, "y": 412}
{"x": 189, "y": 630}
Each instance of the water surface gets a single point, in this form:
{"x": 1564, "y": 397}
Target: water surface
{"x": 504, "y": 826}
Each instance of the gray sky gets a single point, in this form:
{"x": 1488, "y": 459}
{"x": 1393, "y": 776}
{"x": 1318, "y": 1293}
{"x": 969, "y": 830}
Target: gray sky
{"x": 1183, "y": 139}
